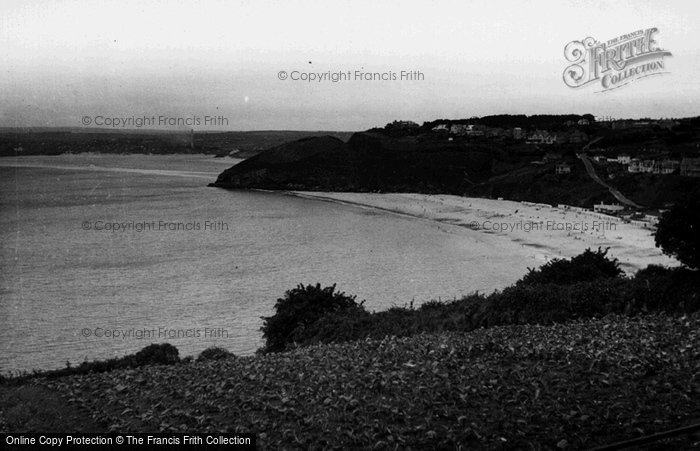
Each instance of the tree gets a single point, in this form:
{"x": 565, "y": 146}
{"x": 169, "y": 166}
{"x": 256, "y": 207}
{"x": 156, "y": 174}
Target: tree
{"x": 678, "y": 230}
{"x": 299, "y": 309}
{"x": 584, "y": 267}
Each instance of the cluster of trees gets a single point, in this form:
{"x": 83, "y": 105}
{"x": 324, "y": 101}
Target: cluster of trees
{"x": 678, "y": 231}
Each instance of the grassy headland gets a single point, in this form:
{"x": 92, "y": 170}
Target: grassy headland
{"x": 490, "y": 162}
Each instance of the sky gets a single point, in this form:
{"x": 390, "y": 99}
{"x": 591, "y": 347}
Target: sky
{"x": 218, "y": 65}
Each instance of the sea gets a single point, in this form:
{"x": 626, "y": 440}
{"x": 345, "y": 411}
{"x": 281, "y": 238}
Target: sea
{"x": 102, "y": 255}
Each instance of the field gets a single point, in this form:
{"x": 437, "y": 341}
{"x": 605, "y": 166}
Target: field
{"x": 573, "y": 386}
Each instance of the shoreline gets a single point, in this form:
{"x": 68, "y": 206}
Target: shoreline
{"x": 535, "y": 232}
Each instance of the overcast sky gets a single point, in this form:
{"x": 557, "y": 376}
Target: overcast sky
{"x": 61, "y": 61}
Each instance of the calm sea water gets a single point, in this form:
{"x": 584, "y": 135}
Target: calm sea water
{"x": 195, "y": 266}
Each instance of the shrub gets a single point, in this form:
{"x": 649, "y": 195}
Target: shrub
{"x": 668, "y": 289}
{"x": 299, "y": 309}
{"x": 584, "y": 267}
{"x": 340, "y": 326}
{"x": 678, "y": 230}
{"x": 548, "y": 304}
{"x": 215, "y": 353}
{"x": 432, "y": 305}
{"x": 157, "y": 354}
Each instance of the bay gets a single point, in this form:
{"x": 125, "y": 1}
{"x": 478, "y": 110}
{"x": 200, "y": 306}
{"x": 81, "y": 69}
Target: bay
{"x": 102, "y": 255}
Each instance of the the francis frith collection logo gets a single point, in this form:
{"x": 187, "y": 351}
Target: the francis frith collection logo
{"x": 614, "y": 63}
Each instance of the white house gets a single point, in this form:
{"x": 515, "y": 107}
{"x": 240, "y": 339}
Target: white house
{"x": 602, "y": 208}
{"x": 623, "y": 158}
{"x": 562, "y": 168}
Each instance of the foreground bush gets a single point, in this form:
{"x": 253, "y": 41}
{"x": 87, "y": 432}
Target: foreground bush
{"x": 300, "y": 308}
{"x": 678, "y": 230}
{"x": 654, "y": 289}
{"x": 157, "y": 354}
{"x": 584, "y": 267}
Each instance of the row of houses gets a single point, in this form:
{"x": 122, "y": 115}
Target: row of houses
{"x": 623, "y": 158}
{"x": 536, "y": 137}
{"x": 545, "y": 137}
{"x": 653, "y": 166}
{"x": 688, "y": 166}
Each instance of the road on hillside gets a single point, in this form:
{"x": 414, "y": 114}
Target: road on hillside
{"x": 591, "y": 172}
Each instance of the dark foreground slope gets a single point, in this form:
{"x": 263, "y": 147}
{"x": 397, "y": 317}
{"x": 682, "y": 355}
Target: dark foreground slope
{"x": 573, "y": 386}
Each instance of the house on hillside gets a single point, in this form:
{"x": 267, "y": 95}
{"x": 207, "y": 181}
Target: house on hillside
{"x": 690, "y": 167}
{"x": 666, "y": 123}
{"x": 636, "y": 166}
{"x": 404, "y": 124}
{"x": 440, "y": 128}
{"x": 562, "y": 168}
{"x": 666, "y": 166}
{"x": 472, "y": 130}
{"x": 459, "y": 129}
{"x": 517, "y": 133}
{"x": 623, "y": 158}
{"x": 602, "y": 208}
{"x": 541, "y": 137}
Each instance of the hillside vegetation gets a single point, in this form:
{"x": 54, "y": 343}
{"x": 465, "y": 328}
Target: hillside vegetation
{"x": 574, "y": 355}
{"x": 421, "y": 161}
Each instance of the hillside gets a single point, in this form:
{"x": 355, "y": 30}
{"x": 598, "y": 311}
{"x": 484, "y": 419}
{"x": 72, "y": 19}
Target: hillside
{"x": 316, "y": 161}
{"x": 368, "y": 162}
{"x": 575, "y": 386}
{"x": 431, "y": 159}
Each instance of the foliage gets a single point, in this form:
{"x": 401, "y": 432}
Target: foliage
{"x": 524, "y": 368}
{"x": 670, "y": 290}
{"x": 299, "y": 309}
{"x": 588, "y": 383}
{"x": 678, "y": 230}
{"x": 215, "y": 353}
{"x": 584, "y": 267}
{"x": 157, "y": 354}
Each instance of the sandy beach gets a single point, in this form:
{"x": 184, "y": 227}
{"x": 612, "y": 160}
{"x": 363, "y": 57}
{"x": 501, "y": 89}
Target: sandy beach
{"x": 534, "y": 232}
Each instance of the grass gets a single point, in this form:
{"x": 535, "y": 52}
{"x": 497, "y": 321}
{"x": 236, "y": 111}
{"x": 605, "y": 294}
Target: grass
{"x": 37, "y": 408}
